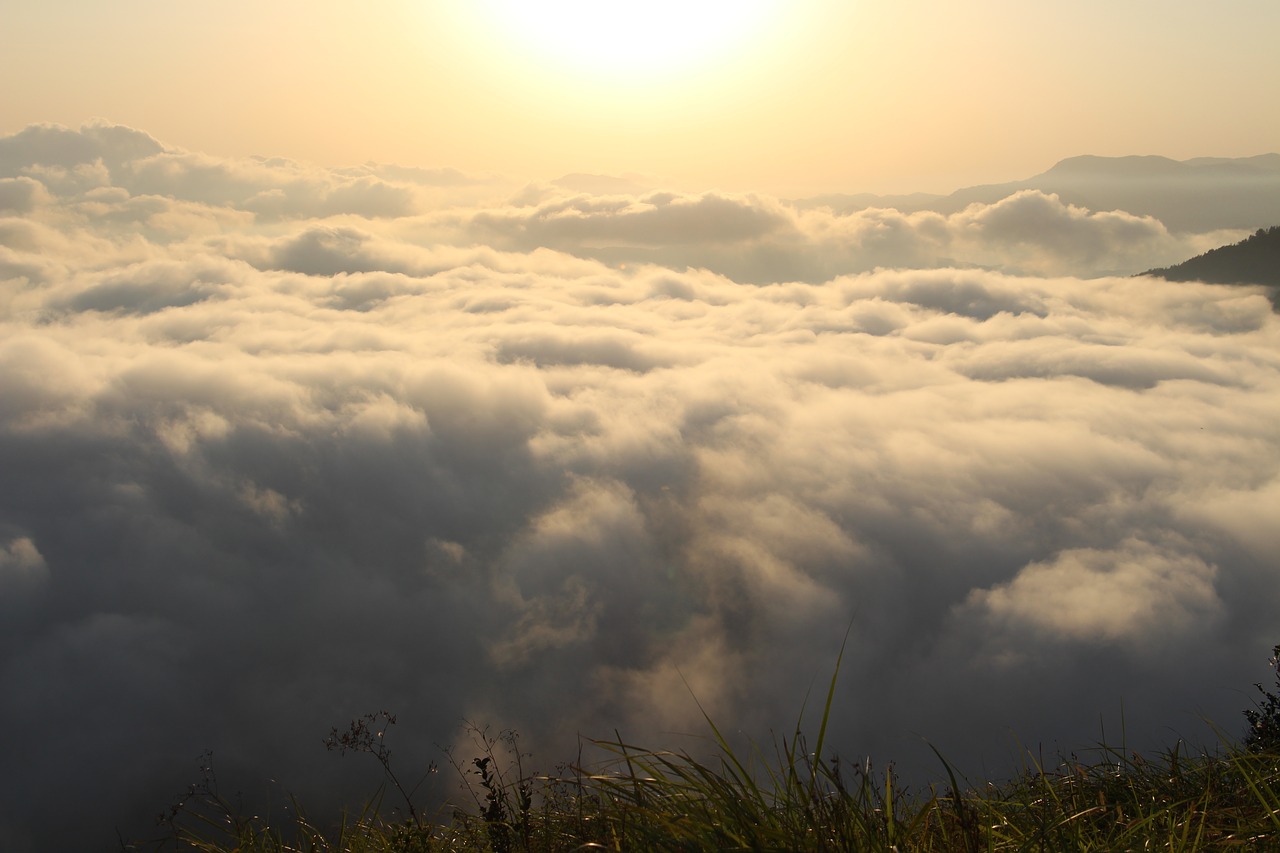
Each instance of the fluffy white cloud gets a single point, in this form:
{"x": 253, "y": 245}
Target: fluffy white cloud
{"x": 1136, "y": 592}
{"x": 261, "y": 478}
{"x": 760, "y": 240}
{"x": 21, "y": 195}
{"x": 70, "y": 163}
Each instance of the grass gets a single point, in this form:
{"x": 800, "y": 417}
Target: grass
{"x": 787, "y": 797}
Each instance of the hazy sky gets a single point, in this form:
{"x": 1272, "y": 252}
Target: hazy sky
{"x": 764, "y": 95}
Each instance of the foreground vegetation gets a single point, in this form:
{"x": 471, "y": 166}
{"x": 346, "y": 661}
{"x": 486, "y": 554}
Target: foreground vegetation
{"x": 792, "y": 798}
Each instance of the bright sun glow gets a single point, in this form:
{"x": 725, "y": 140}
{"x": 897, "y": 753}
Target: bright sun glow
{"x": 636, "y": 40}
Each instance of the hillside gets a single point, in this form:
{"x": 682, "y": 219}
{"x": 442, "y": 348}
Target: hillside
{"x": 1255, "y": 260}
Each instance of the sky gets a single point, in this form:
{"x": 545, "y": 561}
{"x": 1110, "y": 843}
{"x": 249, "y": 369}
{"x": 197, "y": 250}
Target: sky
{"x": 394, "y": 359}
{"x": 784, "y": 97}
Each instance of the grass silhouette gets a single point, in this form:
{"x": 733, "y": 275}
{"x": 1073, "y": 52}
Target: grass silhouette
{"x": 784, "y": 797}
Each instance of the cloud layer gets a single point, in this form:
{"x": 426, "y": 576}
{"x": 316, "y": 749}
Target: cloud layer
{"x": 282, "y": 446}
{"x": 760, "y": 240}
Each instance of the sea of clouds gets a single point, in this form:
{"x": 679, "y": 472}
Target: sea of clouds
{"x": 282, "y": 445}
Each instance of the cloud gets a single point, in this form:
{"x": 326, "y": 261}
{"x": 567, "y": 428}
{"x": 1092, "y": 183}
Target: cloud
{"x": 54, "y": 147}
{"x": 70, "y": 163}
{"x": 263, "y": 477}
{"x": 271, "y": 188}
{"x": 1043, "y": 235}
{"x": 23, "y": 573}
{"x": 21, "y": 195}
{"x": 1136, "y": 592}
{"x": 124, "y": 175}
{"x": 654, "y": 219}
{"x": 762, "y": 240}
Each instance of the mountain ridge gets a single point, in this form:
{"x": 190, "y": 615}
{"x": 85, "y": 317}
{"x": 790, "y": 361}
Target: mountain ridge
{"x": 1196, "y": 195}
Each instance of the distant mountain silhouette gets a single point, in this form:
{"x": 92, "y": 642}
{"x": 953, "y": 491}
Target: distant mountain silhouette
{"x": 1252, "y": 261}
{"x": 1201, "y": 194}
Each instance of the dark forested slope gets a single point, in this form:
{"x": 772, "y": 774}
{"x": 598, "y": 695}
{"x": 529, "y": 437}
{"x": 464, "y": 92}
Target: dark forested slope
{"x": 1252, "y": 261}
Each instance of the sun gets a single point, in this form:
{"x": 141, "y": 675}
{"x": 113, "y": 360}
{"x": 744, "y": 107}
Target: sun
{"x": 628, "y": 40}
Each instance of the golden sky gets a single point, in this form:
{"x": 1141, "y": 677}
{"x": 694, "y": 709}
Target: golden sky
{"x": 809, "y": 95}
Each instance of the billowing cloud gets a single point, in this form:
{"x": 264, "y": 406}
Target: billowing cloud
{"x": 656, "y": 219}
{"x": 262, "y": 477}
{"x": 71, "y": 162}
{"x": 761, "y": 240}
{"x": 21, "y": 195}
{"x": 1135, "y": 591}
{"x": 54, "y": 147}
